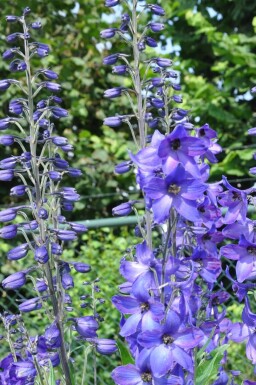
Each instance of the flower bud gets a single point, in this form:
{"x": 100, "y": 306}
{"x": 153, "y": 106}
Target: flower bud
{"x": 4, "y": 85}
{"x": 16, "y": 107}
{"x": 41, "y": 254}
{"x": 77, "y": 227}
{"x": 59, "y": 140}
{"x": 30, "y": 226}
{"x": 60, "y": 163}
{"x": 156, "y": 27}
{"x": 81, "y": 267}
{"x": 156, "y": 9}
{"x": 150, "y": 42}
{"x": 8, "y": 163}
{"x": 111, "y": 59}
{"x": 8, "y": 232}
{"x": 55, "y": 175}
{"x": 42, "y": 213}
{"x": 112, "y": 93}
{"x": 18, "y": 191}
{"x": 18, "y": 252}
{"x": 17, "y": 66}
{"x": 6, "y": 140}
{"x": 36, "y": 25}
{"x": 6, "y": 175}
{"x": 52, "y": 336}
{"x": 74, "y": 172}
{"x": 56, "y": 249}
{"x": 157, "y": 103}
{"x": 9, "y": 54}
{"x": 123, "y": 167}
{"x": 30, "y": 305}
{"x": 162, "y": 62}
{"x": 120, "y": 69}
{"x": 54, "y": 87}
{"x": 8, "y": 215}
{"x": 14, "y": 281}
{"x": 108, "y": 33}
{"x": 44, "y": 123}
{"x": 67, "y": 281}
{"x": 11, "y": 18}
{"x": 111, "y": 3}
{"x": 66, "y": 235}
{"x": 113, "y": 121}
{"x": 59, "y": 112}
{"x": 123, "y": 209}
{"x": 41, "y": 285}
{"x": 105, "y": 346}
{"x": 86, "y": 326}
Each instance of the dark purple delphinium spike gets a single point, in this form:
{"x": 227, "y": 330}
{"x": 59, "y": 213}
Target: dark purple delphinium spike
{"x": 40, "y": 168}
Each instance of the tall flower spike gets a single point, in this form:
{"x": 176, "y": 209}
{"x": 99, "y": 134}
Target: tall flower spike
{"x": 172, "y": 281}
{"x": 40, "y": 167}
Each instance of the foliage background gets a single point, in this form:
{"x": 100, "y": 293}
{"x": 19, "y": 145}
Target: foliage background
{"x": 213, "y": 46}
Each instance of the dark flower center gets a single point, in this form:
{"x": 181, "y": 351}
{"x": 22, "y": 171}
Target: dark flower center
{"x": 201, "y": 210}
{"x": 144, "y": 307}
{"x": 167, "y": 340}
{"x": 176, "y": 144}
{"x": 146, "y": 377}
{"x": 251, "y": 250}
{"x": 236, "y": 196}
{"x": 202, "y": 132}
{"x": 173, "y": 189}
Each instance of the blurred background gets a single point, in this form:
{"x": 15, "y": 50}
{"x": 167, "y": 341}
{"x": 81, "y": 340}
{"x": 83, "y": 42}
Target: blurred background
{"x": 212, "y": 44}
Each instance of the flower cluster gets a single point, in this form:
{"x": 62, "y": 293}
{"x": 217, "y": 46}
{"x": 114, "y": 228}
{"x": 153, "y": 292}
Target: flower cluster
{"x": 40, "y": 169}
{"x": 176, "y": 310}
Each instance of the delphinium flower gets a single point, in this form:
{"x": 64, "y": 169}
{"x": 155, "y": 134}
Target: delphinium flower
{"x": 176, "y": 305}
{"x": 43, "y": 229}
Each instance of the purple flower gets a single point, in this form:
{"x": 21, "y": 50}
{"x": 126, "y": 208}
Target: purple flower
{"x": 22, "y": 370}
{"x": 168, "y": 343}
{"x": 245, "y": 255}
{"x": 150, "y": 42}
{"x": 144, "y": 310}
{"x": 59, "y": 112}
{"x": 178, "y": 190}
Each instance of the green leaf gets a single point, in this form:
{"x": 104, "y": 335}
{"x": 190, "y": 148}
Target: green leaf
{"x": 72, "y": 373}
{"x": 124, "y": 353}
{"x": 207, "y": 370}
{"x": 51, "y": 380}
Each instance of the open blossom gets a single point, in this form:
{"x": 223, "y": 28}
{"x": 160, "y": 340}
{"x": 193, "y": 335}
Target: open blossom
{"x": 178, "y": 190}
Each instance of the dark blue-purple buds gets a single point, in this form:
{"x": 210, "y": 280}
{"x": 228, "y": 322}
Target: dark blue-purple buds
{"x": 81, "y": 267}
{"x": 18, "y": 252}
{"x": 115, "y": 92}
{"x": 36, "y": 25}
{"x": 105, "y": 346}
{"x": 59, "y": 112}
{"x": 123, "y": 167}
{"x": 156, "y": 27}
{"x": 86, "y": 326}
{"x": 6, "y": 140}
{"x": 54, "y": 87}
{"x": 18, "y": 191}
{"x": 8, "y": 214}
{"x": 14, "y": 281}
{"x": 52, "y": 336}
{"x": 4, "y": 84}
{"x": 111, "y": 3}
{"x": 6, "y": 175}
{"x": 11, "y": 18}
{"x": 41, "y": 254}
{"x": 30, "y": 305}
{"x": 17, "y": 66}
{"x": 8, "y": 232}
{"x": 156, "y": 9}
{"x": 123, "y": 209}
{"x": 108, "y": 33}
